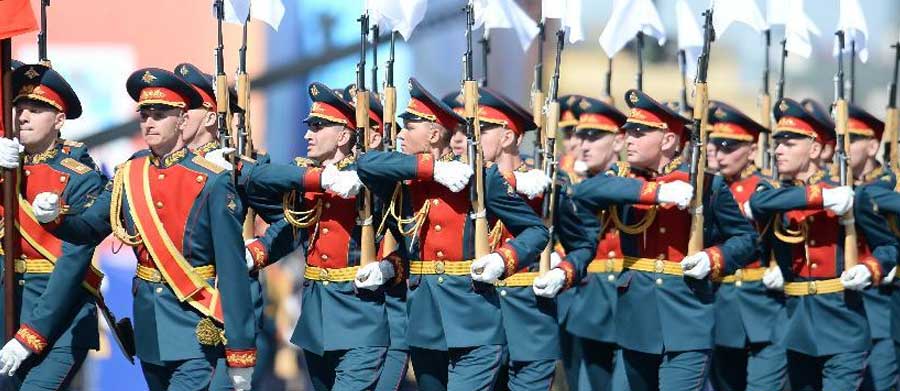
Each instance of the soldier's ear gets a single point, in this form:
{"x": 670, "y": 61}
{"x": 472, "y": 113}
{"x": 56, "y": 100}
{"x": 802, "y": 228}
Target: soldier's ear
{"x": 210, "y": 119}
{"x": 815, "y": 150}
{"x": 59, "y": 120}
{"x": 872, "y": 148}
{"x": 670, "y": 142}
{"x": 618, "y": 142}
{"x": 375, "y": 139}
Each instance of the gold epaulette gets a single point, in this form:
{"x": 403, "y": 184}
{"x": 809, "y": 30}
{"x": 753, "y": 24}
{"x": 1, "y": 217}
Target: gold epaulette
{"x": 624, "y": 169}
{"x": 75, "y": 165}
{"x": 304, "y": 162}
{"x": 74, "y": 144}
{"x": 202, "y": 162}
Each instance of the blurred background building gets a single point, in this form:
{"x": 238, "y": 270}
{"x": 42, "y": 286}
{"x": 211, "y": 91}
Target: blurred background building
{"x": 96, "y": 44}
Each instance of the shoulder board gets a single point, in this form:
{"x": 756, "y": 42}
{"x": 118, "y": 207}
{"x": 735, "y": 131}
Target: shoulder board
{"x": 304, "y": 162}
{"x": 624, "y": 169}
{"x": 72, "y": 143}
{"x": 489, "y": 164}
{"x": 202, "y": 162}
{"x": 75, "y": 165}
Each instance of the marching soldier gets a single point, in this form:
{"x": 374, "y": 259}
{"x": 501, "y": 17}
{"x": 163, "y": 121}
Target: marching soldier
{"x": 821, "y": 113}
{"x": 57, "y": 284}
{"x": 454, "y": 100}
{"x": 187, "y": 242}
{"x": 568, "y": 118}
{"x": 590, "y": 316}
{"x": 455, "y": 331}
{"x": 664, "y": 314}
{"x": 746, "y": 354}
{"x": 826, "y": 333}
{"x": 526, "y": 299}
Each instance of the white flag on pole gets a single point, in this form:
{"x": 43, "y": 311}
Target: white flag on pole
{"x": 505, "y": 14}
{"x": 401, "y": 16}
{"x": 270, "y": 12}
{"x": 690, "y": 38}
{"x": 627, "y": 19}
{"x": 729, "y": 12}
{"x": 797, "y": 29}
{"x": 569, "y": 13}
{"x": 853, "y": 23}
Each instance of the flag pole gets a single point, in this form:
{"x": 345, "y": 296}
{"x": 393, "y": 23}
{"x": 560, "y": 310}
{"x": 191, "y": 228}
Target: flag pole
{"x": 10, "y": 203}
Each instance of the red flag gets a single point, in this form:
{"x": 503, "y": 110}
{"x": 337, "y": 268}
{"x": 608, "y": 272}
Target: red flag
{"x": 18, "y": 18}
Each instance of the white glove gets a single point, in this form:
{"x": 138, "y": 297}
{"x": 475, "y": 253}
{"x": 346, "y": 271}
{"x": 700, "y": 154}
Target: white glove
{"x": 696, "y": 265}
{"x": 374, "y": 275}
{"x": 531, "y": 183}
{"x": 217, "y": 156}
{"x": 580, "y": 167}
{"x": 549, "y": 284}
{"x": 856, "y": 278}
{"x": 11, "y": 357}
{"x": 773, "y": 279}
{"x": 240, "y": 377}
{"x": 889, "y": 278}
{"x": 9, "y": 152}
{"x": 678, "y": 193}
{"x": 345, "y": 184}
{"x": 555, "y": 259}
{"x": 838, "y": 200}
{"x": 453, "y": 174}
{"x": 248, "y": 257}
{"x": 488, "y": 268}
{"x": 45, "y": 207}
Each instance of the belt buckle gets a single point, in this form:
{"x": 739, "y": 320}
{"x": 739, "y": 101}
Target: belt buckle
{"x": 439, "y": 267}
{"x": 659, "y": 266}
{"x": 323, "y": 274}
{"x": 155, "y": 275}
{"x": 19, "y": 266}
{"x": 812, "y": 288}
{"x": 739, "y": 275}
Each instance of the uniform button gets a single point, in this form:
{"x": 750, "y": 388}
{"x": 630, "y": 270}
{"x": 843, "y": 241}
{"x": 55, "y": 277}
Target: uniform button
{"x": 610, "y": 278}
{"x": 27, "y": 172}
{"x": 662, "y": 230}
{"x": 659, "y": 281}
{"x": 23, "y": 256}
{"x": 811, "y": 218}
{"x": 325, "y": 282}
{"x": 161, "y": 176}
{"x": 324, "y": 257}
{"x": 611, "y": 254}
{"x": 199, "y": 178}
{"x": 62, "y": 179}
{"x": 159, "y": 204}
{"x": 324, "y": 231}
{"x": 438, "y": 228}
{"x": 21, "y": 282}
{"x": 327, "y": 205}
{"x": 503, "y": 292}
{"x": 739, "y": 188}
{"x": 661, "y": 256}
{"x": 814, "y": 266}
{"x": 159, "y": 289}
{"x": 435, "y": 202}
{"x": 440, "y": 279}
{"x": 812, "y": 242}
{"x": 738, "y": 283}
{"x": 507, "y": 240}
{"x": 440, "y": 254}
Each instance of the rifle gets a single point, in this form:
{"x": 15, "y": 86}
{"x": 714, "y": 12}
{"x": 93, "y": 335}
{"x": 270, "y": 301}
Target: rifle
{"x": 698, "y": 137}
{"x": 242, "y": 121}
{"x": 225, "y": 135}
{"x": 548, "y": 206}
{"x": 891, "y": 120}
{"x": 765, "y": 106}
{"x": 389, "y": 242}
{"x": 682, "y": 67}
{"x": 851, "y": 84}
{"x": 485, "y": 42}
{"x": 473, "y": 134}
{"x": 537, "y": 98}
{"x": 840, "y": 150}
{"x": 367, "y": 231}
{"x": 10, "y": 201}
{"x": 42, "y": 36}
{"x": 374, "y": 59}
{"x": 607, "y": 88}
{"x": 639, "y": 50}
{"x": 779, "y": 95}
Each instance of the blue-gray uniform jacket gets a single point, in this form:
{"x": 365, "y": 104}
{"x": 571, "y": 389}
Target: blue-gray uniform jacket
{"x": 56, "y": 282}
{"x": 181, "y": 214}
{"x": 823, "y": 318}
{"x": 882, "y": 198}
{"x": 446, "y": 308}
{"x": 659, "y": 309}
{"x": 746, "y": 311}
{"x": 335, "y": 315}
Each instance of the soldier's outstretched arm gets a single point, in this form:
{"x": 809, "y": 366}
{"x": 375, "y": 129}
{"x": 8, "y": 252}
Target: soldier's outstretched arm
{"x": 380, "y": 170}
{"x": 885, "y": 198}
{"x": 769, "y": 199}
{"x": 736, "y": 244}
{"x": 883, "y": 245}
{"x": 270, "y": 181}
{"x": 530, "y": 234}
{"x": 601, "y": 191}
{"x": 231, "y": 272}
{"x": 578, "y": 230}
{"x": 278, "y": 240}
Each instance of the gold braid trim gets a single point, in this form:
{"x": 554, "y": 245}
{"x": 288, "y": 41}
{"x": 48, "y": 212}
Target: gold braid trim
{"x": 495, "y": 235}
{"x": 115, "y": 212}
{"x": 417, "y": 219}
{"x": 300, "y": 219}
{"x": 635, "y": 229}
{"x": 787, "y": 235}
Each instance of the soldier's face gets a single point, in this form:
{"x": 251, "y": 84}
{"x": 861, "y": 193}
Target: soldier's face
{"x": 419, "y": 136}
{"x": 827, "y": 154}
{"x": 793, "y": 155}
{"x": 37, "y": 123}
{"x": 571, "y": 143}
{"x": 599, "y": 151}
{"x": 162, "y": 128}
{"x": 195, "y": 120}
{"x": 458, "y": 141}
{"x": 712, "y": 164}
{"x": 376, "y": 139}
{"x": 322, "y": 140}
{"x": 642, "y": 147}
{"x": 732, "y": 160}
{"x": 493, "y": 140}
{"x": 860, "y": 151}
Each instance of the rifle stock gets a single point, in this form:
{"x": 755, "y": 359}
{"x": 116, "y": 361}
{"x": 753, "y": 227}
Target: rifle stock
{"x": 550, "y": 170}
{"x": 698, "y": 139}
{"x": 851, "y": 251}
{"x": 476, "y": 158}
{"x": 367, "y": 230}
